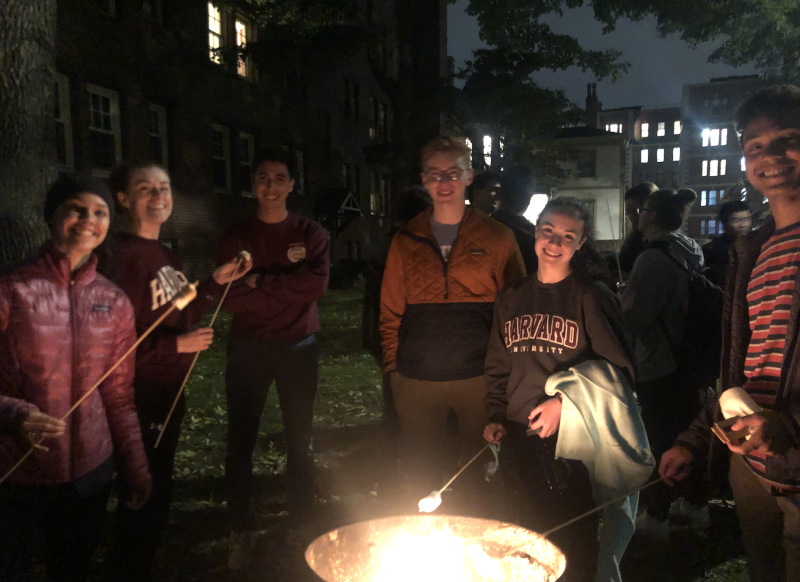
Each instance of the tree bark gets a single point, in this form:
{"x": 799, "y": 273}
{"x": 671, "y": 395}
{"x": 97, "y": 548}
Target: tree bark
{"x": 27, "y": 134}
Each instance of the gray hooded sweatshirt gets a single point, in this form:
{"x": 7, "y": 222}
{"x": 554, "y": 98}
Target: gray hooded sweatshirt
{"x": 655, "y": 304}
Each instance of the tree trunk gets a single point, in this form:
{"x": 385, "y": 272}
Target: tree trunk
{"x": 27, "y": 142}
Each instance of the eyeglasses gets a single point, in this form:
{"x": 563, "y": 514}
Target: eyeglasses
{"x": 450, "y": 176}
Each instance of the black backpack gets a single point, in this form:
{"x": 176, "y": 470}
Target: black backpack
{"x": 698, "y": 355}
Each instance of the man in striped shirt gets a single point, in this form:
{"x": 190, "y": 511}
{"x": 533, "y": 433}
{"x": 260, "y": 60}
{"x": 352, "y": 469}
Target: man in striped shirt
{"x": 760, "y": 337}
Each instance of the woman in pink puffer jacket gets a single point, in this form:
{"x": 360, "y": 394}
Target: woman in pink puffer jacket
{"x": 62, "y": 325}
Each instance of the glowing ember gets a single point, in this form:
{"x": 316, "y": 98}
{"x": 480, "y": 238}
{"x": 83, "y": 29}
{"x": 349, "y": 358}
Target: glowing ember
{"x": 432, "y": 558}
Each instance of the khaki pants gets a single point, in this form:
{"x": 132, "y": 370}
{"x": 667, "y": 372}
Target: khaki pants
{"x": 770, "y": 526}
{"x": 423, "y": 406}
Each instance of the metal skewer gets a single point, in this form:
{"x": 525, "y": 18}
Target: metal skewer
{"x": 434, "y": 499}
{"x": 243, "y": 257}
{"x": 180, "y": 301}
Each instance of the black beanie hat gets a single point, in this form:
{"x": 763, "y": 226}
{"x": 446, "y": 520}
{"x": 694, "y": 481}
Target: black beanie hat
{"x": 69, "y": 187}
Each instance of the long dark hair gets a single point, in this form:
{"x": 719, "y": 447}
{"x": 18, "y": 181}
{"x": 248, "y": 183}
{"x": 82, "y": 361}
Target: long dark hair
{"x": 670, "y": 207}
{"x": 587, "y": 262}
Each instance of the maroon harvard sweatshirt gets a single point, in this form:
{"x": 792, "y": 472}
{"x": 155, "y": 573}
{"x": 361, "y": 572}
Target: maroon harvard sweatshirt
{"x": 145, "y": 269}
{"x": 291, "y": 258}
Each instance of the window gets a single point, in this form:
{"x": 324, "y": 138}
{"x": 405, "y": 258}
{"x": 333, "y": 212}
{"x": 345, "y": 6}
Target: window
{"x": 214, "y": 33}
{"x": 105, "y": 137}
{"x": 723, "y": 137}
{"x": 377, "y": 120}
{"x": 676, "y": 154}
{"x": 712, "y": 227}
{"x": 247, "y": 150}
{"x": 712, "y": 198}
{"x": 645, "y": 156}
{"x": 645, "y": 130}
{"x": 378, "y": 194}
{"x": 714, "y": 139}
{"x": 300, "y": 182}
{"x": 705, "y": 135}
{"x": 158, "y": 134}
{"x": 704, "y": 171}
{"x": 744, "y": 167}
{"x": 660, "y": 155}
{"x": 703, "y": 226}
{"x": 662, "y": 129}
{"x": 676, "y": 128}
{"x": 487, "y": 150}
{"x": 63, "y": 119}
{"x": 713, "y": 168}
{"x": 723, "y": 167}
{"x": 243, "y": 66}
{"x": 351, "y": 178}
{"x": 612, "y": 128}
{"x": 222, "y": 158}
{"x": 351, "y": 97}
{"x": 587, "y": 161}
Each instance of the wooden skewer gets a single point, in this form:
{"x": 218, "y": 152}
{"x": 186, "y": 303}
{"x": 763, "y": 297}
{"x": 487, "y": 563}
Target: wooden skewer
{"x": 244, "y": 256}
{"x": 178, "y": 302}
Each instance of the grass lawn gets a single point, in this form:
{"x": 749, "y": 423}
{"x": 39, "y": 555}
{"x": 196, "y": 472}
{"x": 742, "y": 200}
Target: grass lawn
{"x": 350, "y": 465}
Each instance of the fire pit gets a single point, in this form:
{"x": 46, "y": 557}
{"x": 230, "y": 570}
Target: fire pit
{"x": 434, "y": 548}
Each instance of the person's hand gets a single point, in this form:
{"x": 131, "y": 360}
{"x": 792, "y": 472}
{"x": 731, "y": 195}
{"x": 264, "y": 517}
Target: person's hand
{"x": 195, "y": 341}
{"x": 139, "y": 494}
{"x": 676, "y": 464}
{"x": 546, "y": 416}
{"x": 39, "y": 425}
{"x": 494, "y": 432}
{"x": 252, "y": 280}
{"x": 224, "y": 273}
{"x": 764, "y": 428}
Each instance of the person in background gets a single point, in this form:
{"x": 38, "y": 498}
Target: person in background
{"x": 654, "y": 306}
{"x": 516, "y": 190}
{"x": 736, "y": 220}
{"x": 62, "y": 326}
{"x": 759, "y": 347}
{"x": 272, "y": 337}
{"x": 635, "y": 242}
{"x": 580, "y": 320}
{"x": 145, "y": 269}
{"x": 413, "y": 201}
{"x": 443, "y": 273}
{"x": 482, "y": 193}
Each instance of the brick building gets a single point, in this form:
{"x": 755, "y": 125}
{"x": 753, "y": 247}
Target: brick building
{"x": 157, "y": 80}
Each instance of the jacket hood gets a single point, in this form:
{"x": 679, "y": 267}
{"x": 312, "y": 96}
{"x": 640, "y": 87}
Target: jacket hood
{"x": 685, "y": 250}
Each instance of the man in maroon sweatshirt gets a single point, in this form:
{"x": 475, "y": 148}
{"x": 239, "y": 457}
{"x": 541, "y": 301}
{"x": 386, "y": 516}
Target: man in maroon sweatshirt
{"x": 272, "y": 338}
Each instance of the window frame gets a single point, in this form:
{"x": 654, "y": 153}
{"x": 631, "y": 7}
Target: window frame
{"x": 243, "y": 63}
{"x": 116, "y": 126}
{"x": 251, "y": 150}
{"x": 677, "y": 127}
{"x": 644, "y": 156}
{"x": 226, "y": 145}
{"x": 644, "y": 130}
{"x": 216, "y": 58}
{"x": 676, "y": 154}
{"x": 164, "y": 136}
{"x": 661, "y": 129}
{"x": 660, "y": 156}
{"x": 65, "y": 118}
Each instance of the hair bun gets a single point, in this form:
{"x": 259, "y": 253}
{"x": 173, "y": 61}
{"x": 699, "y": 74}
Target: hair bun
{"x": 685, "y": 196}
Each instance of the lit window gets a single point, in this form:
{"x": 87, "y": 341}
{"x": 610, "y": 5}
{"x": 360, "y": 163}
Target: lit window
{"x": 723, "y": 167}
{"x": 662, "y": 129}
{"x": 645, "y": 156}
{"x": 705, "y": 168}
{"x": 487, "y": 150}
{"x": 676, "y": 154}
{"x": 378, "y": 120}
{"x": 105, "y": 136}
{"x": 723, "y": 137}
{"x": 613, "y": 128}
{"x": 63, "y": 119}
{"x": 538, "y": 202}
{"x": 378, "y": 194}
{"x": 744, "y": 167}
{"x": 706, "y": 133}
{"x": 703, "y": 226}
{"x": 501, "y": 142}
{"x": 660, "y": 155}
{"x": 676, "y": 128}
{"x": 713, "y": 168}
{"x": 703, "y": 198}
{"x": 608, "y": 127}
{"x": 714, "y": 138}
{"x": 620, "y": 128}
{"x": 645, "y": 130}
{"x": 712, "y": 227}
{"x": 214, "y": 33}
{"x": 712, "y": 198}
{"x": 158, "y": 134}
{"x": 242, "y": 38}
{"x": 247, "y": 149}
{"x": 220, "y": 140}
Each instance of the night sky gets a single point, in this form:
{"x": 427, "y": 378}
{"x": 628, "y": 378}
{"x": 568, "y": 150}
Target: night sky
{"x": 659, "y": 67}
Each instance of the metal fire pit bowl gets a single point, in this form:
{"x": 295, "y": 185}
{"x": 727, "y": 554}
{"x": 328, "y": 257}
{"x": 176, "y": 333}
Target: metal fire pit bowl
{"x": 434, "y": 548}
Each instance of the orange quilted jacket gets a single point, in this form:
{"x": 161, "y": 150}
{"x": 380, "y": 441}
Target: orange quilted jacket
{"x": 436, "y": 315}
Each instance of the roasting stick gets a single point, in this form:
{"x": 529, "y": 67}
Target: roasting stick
{"x": 616, "y": 250}
{"x": 434, "y": 499}
{"x": 181, "y": 300}
{"x": 243, "y": 257}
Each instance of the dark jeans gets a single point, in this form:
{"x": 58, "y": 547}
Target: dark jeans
{"x": 669, "y": 405}
{"x": 252, "y": 366}
{"x": 138, "y": 532}
{"x": 68, "y": 516}
{"x": 551, "y": 494}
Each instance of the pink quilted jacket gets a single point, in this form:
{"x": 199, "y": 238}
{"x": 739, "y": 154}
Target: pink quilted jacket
{"x": 59, "y": 332}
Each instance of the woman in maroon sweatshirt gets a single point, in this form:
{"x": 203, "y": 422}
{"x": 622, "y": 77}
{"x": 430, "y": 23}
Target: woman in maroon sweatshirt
{"x": 147, "y": 270}
{"x": 62, "y": 326}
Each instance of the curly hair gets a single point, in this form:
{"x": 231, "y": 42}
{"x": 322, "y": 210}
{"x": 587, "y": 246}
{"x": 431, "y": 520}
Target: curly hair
{"x": 587, "y": 261}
